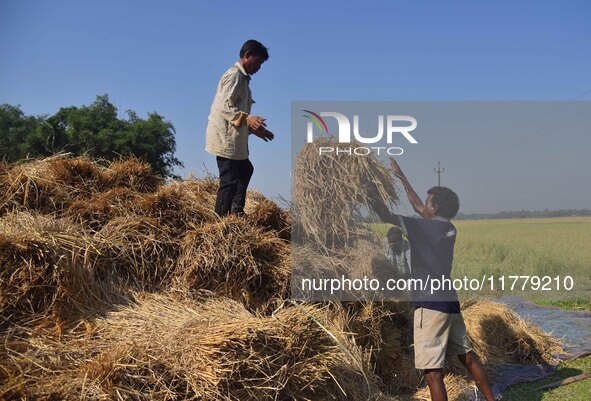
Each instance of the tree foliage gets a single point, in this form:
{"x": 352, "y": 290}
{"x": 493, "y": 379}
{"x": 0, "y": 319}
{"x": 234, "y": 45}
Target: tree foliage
{"x": 94, "y": 130}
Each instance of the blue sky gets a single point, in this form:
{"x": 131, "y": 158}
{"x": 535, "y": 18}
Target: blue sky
{"x": 168, "y": 57}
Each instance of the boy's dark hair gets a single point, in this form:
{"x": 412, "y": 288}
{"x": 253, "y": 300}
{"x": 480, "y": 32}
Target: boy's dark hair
{"x": 447, "y": 201}
{"x": 254, "y": 48}
{"x": 394, "y": 233}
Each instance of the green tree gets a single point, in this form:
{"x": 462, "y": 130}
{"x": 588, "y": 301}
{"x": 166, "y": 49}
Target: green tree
{"x": 20, "y": 134}
{"x": 94, "y": 130}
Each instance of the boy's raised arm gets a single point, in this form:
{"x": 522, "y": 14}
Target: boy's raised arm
{"x": 413, "y": 198}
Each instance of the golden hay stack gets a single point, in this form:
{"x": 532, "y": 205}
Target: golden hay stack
{"x": 268, "y": 215}
{"x": 499, "y": 336}
{"x": 131, "y": 173}
{"x": 138, "y": 251}
{"x": 150, "y": 236}
{"x": 164, "y": 349}
{"x": 94, "y": 213}
{"x": 27, "y": 186}
{"x": 233, "y": 258}
{"x": 49, "y": 185}
{"x": 47, "y": 268}
{"x": 177, "y": 207}
{"x": 329, "y": 190}
{"x": 81, "y": 174}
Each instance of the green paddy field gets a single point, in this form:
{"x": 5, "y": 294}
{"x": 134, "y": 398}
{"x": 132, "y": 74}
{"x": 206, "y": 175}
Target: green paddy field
{"x": 554, "y": 249}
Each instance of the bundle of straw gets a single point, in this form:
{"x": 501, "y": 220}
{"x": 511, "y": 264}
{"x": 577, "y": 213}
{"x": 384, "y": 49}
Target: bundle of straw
{"x": 205, "y": 189}
{"x": 499, "y": 336}
{"x": 97, "y": 211}
{"x": 384, "y": 329}
{"x": 329, "y": 191}
{"x": 47, "y": 269}
{"x": 27, "y": 186}
{"x": 268, "y": 215}
{"x": 236, "y": 259}
{"x": 177, "y": 207}
{"x": 131, "y": 173}
{"x": 137, "y": 250}
{"x": 81, "y": 174}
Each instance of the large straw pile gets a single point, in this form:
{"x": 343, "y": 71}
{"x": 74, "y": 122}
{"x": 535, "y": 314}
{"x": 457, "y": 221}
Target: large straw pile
{"x": 163, "y": 349}
{"x": 81, "y": 242}
{"x": 120, "y": 226}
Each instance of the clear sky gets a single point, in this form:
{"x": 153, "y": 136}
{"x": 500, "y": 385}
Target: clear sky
{"x": 168, "y": 57}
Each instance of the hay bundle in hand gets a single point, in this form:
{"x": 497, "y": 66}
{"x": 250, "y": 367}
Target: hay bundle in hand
{"x": 236, "y": 259}
{"x": 137, "y": 250}
{"x": 45, "y": 260}
{"x": 131, "y": 173}
{"x": 329, "y": 190}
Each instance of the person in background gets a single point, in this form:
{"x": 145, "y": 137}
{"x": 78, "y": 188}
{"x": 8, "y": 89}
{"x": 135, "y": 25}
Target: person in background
{"x": 229, "y": 126}
{"x": 397, "y": 249}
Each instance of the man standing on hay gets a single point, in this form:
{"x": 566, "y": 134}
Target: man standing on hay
{"x": 439, "y": 328}
{"x": 229, "y": 126}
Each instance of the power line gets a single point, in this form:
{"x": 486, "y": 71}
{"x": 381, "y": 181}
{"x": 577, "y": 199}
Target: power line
{"x": 524, "y": 138}
{"x": 520, "y": 139}
{"x": 439, "y": 171}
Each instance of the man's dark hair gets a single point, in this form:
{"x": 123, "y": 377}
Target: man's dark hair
{"x": 447, "y": 201}
{"x": 254, "y": 48}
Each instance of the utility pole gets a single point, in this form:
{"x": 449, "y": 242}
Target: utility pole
{"x": 439, "y": 171}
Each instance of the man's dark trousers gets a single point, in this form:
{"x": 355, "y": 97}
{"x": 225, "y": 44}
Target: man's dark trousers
{"x": 234, "y": 178}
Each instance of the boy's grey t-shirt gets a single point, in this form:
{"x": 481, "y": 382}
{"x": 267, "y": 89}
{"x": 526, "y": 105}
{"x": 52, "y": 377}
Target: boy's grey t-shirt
{"x": 431, "y": 254}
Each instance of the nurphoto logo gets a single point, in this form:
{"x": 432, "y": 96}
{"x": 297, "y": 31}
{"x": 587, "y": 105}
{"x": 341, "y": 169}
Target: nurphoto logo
{"x": 394, "y": 124}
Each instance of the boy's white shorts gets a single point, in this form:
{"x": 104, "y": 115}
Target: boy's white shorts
{"x": 437, "y": 335}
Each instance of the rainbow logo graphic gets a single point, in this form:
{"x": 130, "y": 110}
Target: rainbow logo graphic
{"x": 317, "y": 120}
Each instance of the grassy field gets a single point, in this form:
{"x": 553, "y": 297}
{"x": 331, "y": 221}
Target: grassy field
{"x": 526, "y": 247}
{"x": 531, "y": 247}
{"x": 552, "y": 247}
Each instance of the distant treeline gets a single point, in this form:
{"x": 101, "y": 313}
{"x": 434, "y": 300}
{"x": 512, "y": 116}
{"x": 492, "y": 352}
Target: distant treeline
{"x": 523, "y": 214}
